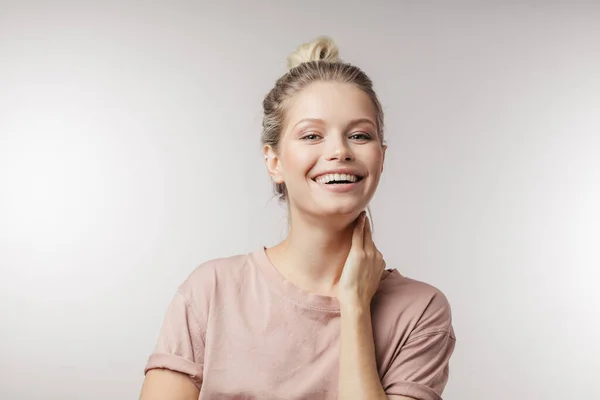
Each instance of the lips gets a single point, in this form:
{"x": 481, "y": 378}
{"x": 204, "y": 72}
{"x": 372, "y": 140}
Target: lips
{"x": 340, "y": 187}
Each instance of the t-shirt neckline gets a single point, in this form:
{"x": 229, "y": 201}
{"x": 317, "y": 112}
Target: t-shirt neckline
{"x": 298, "y": 295}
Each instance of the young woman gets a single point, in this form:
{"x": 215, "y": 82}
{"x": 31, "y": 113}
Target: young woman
{"x": 317, "y": 316}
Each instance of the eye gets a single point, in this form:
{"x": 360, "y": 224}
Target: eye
{"x": 361, "y": 136}
{"x": 310, "y": 137}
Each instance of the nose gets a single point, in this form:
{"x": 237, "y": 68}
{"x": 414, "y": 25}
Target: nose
{"x": 339, "y": 150}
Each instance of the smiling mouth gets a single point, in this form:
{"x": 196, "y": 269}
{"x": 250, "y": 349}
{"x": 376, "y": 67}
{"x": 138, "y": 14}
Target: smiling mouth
{"x": 339, "y": 181}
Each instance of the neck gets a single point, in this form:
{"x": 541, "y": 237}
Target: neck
{"x": 313, "y": 254}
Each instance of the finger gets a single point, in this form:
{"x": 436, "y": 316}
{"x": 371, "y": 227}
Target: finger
{"x": 368, "y": 235}
{"x": 358, "y": 234}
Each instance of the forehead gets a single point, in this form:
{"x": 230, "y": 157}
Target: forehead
{"x": 333, "y": 102}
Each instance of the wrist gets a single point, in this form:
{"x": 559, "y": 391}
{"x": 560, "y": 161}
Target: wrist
{"x": 353, "y": 306}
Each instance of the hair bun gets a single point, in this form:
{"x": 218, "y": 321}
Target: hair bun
{"x": 322, "y": 48}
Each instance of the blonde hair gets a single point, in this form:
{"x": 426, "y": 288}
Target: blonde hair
{"x": 314, "y": 61}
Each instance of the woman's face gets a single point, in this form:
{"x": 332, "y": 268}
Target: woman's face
{"x": 330, "y": 136}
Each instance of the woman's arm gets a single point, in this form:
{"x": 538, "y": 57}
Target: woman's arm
{"x": 358, "y": 376}
{"x": 358, "y": 369}
{"x": 164, "y": 384}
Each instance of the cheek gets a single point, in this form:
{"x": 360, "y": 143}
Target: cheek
{"x": 372, "y": 157}
{"x": 299, "y": 160}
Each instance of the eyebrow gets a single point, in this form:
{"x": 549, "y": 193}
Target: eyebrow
{"x": 351, "y": 123}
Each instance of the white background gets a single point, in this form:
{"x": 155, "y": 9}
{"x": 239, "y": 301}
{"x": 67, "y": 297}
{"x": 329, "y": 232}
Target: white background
{"x": 130, "y": 153}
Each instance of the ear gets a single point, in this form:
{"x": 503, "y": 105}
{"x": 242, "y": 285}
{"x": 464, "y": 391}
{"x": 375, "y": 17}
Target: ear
{"x": 384, "y": 147}
{"x": 273, "y": 165}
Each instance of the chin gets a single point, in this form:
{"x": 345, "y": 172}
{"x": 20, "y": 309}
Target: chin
{"x": 341, "y": 211}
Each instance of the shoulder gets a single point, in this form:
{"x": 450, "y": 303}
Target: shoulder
{"x": 204, "y": 279}
{"x": 400, "y": 289}
{"x": 424, "y": 305}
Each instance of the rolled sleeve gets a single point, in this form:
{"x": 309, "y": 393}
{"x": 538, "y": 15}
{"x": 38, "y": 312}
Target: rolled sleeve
{"x": 180, "y": 345}
{"x": 420, "y": 368}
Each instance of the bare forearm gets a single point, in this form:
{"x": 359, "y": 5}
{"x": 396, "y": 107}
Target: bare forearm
{"x": 358, "y": 377}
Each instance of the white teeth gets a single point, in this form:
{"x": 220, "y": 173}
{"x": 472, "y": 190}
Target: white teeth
{"x": 336, "y": 177}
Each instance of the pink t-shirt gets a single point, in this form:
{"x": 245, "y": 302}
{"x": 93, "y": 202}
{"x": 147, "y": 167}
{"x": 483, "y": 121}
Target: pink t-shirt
{"x": 241, "y": 331}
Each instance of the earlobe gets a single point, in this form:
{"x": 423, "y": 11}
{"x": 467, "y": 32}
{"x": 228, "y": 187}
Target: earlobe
{"x": 277, "y": 174}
